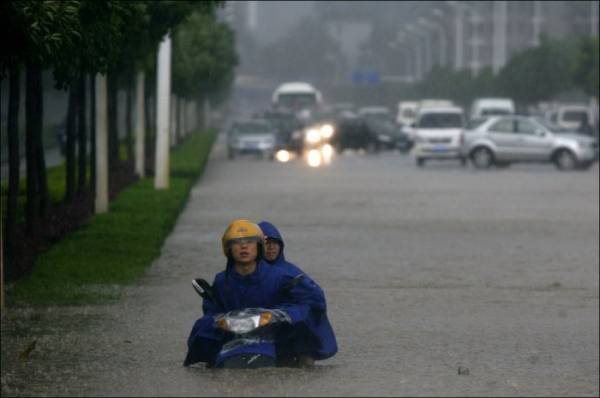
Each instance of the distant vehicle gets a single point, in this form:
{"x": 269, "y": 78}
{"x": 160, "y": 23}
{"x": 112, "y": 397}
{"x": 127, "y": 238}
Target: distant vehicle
{"x": 409, "y": 129}
{"x": 354, "y": 133}
{"x": 374, "y": 112}
{"x": 438, "y": 134}
{"x": 434, "y": 103}
{"x": 383, "y": 128}
{"x": 501, "y": 140}
{"x": 299, "y": 97}
{"x": 285, "y": 124}
{"x": 255, "y": 136}
{"x": 492, "y": 107}
{"x": 571, "y": 116}
{"x": 407, "y": 112}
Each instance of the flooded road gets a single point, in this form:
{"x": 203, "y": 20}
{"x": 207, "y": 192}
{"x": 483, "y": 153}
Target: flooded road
{"x": 439, "y": 281}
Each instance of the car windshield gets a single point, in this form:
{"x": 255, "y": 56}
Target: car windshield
{"x": 495, "y": 111}
{"x": 441, "y": 120}
{"x": 296, "y": 101}
{"x": 573, "y": 116}
{"x": 251, "y": 128}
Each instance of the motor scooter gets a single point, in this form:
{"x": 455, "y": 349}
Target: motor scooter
{"x": 251, "y": 332}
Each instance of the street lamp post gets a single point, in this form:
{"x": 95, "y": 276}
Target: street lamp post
{"x": 425, "y": 52}
{"x": 412, "y": 62}
{"x": 459, "y": 34}
{"x": 442, "y": 39}
{"x": 499, "y": 38}
{"x": 475, "y": 41}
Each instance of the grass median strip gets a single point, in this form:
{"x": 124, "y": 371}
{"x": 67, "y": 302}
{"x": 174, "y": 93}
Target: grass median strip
{"x": 116, "y": 247}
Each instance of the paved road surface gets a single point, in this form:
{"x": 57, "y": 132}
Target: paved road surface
{"x": 425, "y": 271}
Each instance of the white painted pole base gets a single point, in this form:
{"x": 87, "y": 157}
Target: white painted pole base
{"x": 163, "y": 94}
{"x": 101, "y": 200}
{"x": 140, "y": 127}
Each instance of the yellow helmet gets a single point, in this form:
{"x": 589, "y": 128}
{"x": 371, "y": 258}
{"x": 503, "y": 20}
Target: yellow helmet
{"x": 241, "y": 229}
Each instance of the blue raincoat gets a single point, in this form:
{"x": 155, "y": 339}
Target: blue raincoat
{"x": 320, "y": 324}
{"x": 259, "y": 289}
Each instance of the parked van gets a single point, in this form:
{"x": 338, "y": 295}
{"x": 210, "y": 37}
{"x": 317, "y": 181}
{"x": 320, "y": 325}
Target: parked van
{"x": 570, "y": 116}
{"x": 492, "y": 107}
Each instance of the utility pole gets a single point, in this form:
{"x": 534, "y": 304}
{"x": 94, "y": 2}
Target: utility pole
{"x": 163, "y": 94}
{"x": 101, "y": 201}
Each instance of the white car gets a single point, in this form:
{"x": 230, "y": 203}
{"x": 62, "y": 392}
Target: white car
{"x": 438, "y": 134}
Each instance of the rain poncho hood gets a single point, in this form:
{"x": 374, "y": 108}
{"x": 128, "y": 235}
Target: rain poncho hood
{"x": 321, "y": 325}
{"x": 259, "y": 289}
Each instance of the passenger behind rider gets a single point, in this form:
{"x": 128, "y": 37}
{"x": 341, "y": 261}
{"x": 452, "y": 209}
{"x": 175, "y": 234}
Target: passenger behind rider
{"x": 321, "y": 326}
{"x": 249, "y": 282}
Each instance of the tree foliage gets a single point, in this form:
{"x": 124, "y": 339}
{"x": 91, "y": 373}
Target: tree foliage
{"x": 539, "y": 73}
{"x": 586, "y": 69}
{"x": 204, "y": 56}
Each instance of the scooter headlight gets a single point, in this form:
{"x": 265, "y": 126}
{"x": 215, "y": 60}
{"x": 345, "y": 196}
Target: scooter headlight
{"x": 243, "y": 324}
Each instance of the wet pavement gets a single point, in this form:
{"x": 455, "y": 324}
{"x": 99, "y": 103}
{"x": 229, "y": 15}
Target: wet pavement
{"x": 439, "y": 281}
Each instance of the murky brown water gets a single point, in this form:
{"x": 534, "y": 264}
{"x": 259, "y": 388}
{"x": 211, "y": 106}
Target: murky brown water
{"x": 426, "y": 271}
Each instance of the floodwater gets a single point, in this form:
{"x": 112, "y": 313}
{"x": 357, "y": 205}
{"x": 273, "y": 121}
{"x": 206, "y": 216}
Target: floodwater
{"x": 439, "y": 281}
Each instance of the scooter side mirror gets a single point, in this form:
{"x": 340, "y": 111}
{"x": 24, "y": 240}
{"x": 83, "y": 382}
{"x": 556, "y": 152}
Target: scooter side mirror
{"x": 205, "y": 290}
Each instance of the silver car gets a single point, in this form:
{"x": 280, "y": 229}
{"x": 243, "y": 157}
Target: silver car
{"x": 255, "y": 136}
{"x": 501, "y": 140}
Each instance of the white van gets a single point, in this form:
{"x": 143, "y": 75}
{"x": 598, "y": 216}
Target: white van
{"x": 438, "y": 134}
{"x": 570, "y": 116}
{"x": 407, "y": 112}
{"x": 491, "y": 107}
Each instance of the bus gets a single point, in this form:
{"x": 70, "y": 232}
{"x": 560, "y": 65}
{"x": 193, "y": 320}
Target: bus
{"x": 299, "y": 97}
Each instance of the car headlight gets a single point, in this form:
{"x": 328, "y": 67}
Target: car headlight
{"x": 313, "y": 136}
{"x": 327, "y": 131}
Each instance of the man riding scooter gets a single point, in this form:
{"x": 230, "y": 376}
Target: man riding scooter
{"x": 249, "y": 282}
